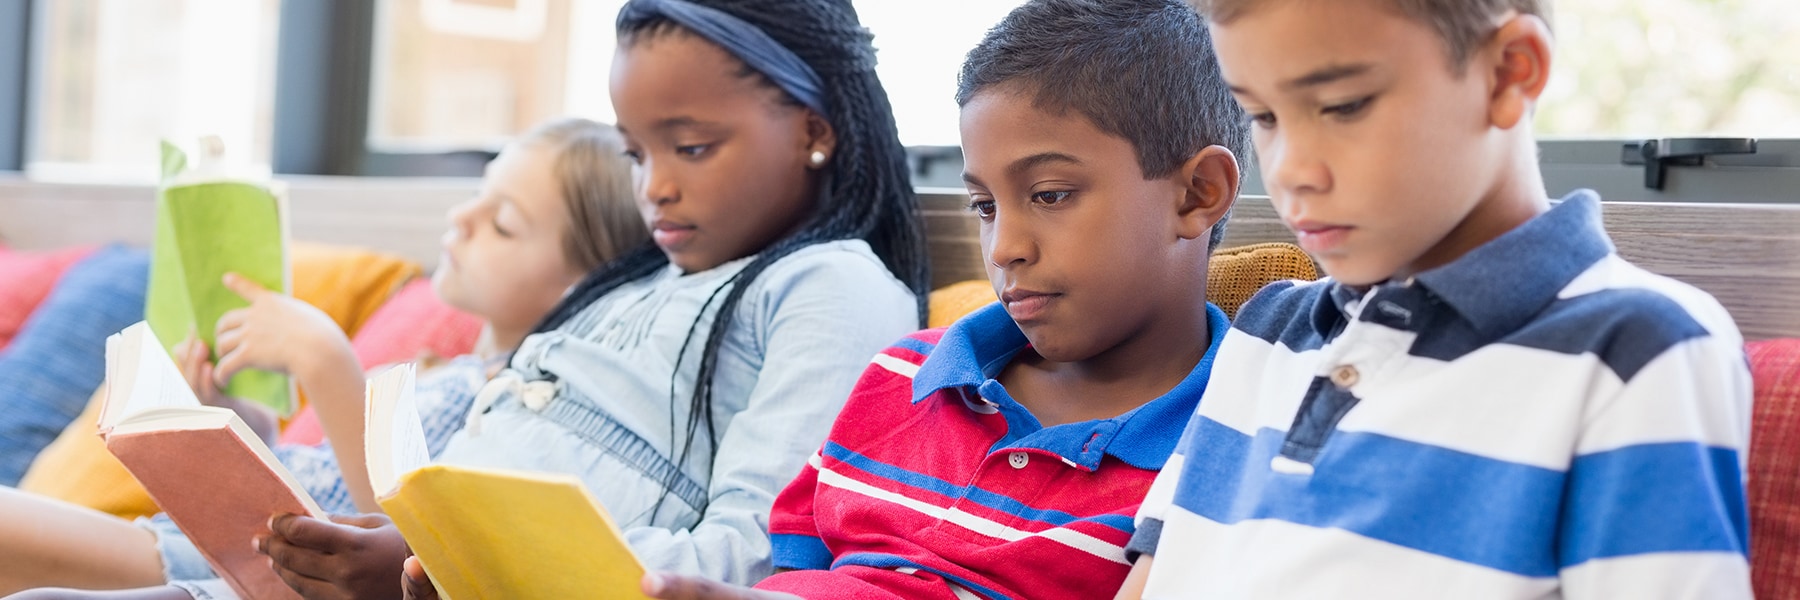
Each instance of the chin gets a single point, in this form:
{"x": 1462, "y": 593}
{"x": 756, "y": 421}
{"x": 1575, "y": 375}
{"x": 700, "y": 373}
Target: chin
{"x": 1356, "y": 275}
{"x": 1056, "y": 349}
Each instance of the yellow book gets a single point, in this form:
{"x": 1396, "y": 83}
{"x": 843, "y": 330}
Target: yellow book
{"x": 488, "y": 533}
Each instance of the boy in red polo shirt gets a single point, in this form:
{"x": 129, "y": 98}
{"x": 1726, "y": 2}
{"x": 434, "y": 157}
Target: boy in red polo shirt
{"x": 1004, "y": 457}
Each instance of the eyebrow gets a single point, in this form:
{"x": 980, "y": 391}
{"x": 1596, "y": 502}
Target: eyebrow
{"x": 1318, "y": 77}
{"x": 1028, "y": 163}
{"x": 1326, "y": 75}
{"x": 676, "y": 123}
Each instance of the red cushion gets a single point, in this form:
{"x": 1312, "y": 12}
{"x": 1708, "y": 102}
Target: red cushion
{"x": 1775, "y": 469}
{"x": 412, "y": 324}
{"x": 26, "y": 278}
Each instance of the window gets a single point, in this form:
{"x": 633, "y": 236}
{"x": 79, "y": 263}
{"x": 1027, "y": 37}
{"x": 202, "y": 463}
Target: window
{"x": 460, "y": 74}
{"x": 116, "y": 76}
{"x": 920, "y": 45}
{"x": 1664, "y": 68}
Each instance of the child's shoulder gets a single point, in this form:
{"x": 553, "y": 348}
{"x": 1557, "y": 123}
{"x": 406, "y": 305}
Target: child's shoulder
{"x": 1616, "y": 307}
{"x": 845, "y": 265}
{"x": 1282, "y": 311}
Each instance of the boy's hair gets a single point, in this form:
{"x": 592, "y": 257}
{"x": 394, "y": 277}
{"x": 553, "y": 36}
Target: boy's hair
{"x": 595, "y": 178}
{"x": 865, "y": 192}
{"x": 1462, "y": 24}
{"x": 1142, "y": 70}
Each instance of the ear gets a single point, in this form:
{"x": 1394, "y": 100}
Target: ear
{"x": 820, "y": 137}
{"x": 1210, "y": 187}
{"x": 1519, "y": 58}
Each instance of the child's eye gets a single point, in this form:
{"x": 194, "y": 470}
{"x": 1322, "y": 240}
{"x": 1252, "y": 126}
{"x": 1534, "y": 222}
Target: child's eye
{"x": 1347, "y": 109}
{"x": 982, "y": 208}
{"x": 500, "y": 230}
{"x": 1049, "y": 197}
{"x": 637, "y": 158}
{"x": 1265, "y": 120}
{"x": 692, "y": 150}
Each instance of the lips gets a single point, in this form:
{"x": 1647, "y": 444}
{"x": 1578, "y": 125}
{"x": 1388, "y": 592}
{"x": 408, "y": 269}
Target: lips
{"x": 671, "y": 235}
{"x": 1320, "y": 238}
{"x": 1025, "y": 304}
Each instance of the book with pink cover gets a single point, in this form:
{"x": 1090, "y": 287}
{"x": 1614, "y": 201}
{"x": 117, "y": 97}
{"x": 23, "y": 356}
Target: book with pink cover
{"x": 204, "y": 467}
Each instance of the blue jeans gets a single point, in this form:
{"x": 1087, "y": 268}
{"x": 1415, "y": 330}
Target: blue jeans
{"x": 58, "y": 358}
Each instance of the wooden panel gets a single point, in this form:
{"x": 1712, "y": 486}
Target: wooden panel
{"x": 397, "y": 215}
{"x": 953, "y": 237}
{"x": 1746, "y": 255}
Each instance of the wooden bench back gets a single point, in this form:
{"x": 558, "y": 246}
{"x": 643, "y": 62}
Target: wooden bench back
{"x": 1746, "y": 255}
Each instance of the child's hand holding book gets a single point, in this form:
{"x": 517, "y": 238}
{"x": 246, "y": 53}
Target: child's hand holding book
{"x": 197, "y": 369}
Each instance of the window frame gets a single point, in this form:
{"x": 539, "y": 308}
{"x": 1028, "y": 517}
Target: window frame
{"x": 17, "y": 37}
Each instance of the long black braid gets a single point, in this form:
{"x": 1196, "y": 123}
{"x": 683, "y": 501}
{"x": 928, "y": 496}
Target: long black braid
{"x": 864, "y": 192}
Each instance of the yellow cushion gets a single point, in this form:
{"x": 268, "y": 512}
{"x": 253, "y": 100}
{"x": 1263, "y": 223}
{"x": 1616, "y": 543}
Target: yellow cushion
{"x": 1233, "y": 275}
{"x": 78, "y": 469}
{"x": 346, "y": 283}
{"x": 951, "y": 302}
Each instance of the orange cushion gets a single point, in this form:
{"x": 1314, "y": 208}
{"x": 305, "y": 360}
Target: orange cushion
{"x": 347, "y": 284}
{"x": 1232, "y": 276}
{"x": 26, "y": 278}
{"x": 1775, "y": 468}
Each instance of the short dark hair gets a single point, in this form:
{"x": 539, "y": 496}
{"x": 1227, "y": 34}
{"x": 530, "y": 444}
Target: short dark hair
{"x": 1142, "y": 70}
{"x": 1462, "y": 24}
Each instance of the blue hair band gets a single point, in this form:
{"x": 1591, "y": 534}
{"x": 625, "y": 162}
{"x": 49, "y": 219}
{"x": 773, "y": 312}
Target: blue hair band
{"x": 745, "y": 41}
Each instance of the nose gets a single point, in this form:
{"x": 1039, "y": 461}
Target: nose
{"x": 1292, "y": 166}
{"x": 656, "y": 184}
{"x": 462, "y": 219}
{"x": 1008, "y": 240}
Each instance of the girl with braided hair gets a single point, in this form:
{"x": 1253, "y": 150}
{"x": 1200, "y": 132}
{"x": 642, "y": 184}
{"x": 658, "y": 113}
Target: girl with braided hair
{"x": 687, "y": 382}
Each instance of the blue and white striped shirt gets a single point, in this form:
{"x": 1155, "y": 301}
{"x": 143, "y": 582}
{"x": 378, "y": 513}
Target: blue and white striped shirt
{"x": 1537, "y": 419}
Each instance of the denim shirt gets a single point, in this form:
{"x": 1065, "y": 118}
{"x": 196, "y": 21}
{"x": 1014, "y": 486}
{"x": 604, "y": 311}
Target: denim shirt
{"x": 606, "y": 397}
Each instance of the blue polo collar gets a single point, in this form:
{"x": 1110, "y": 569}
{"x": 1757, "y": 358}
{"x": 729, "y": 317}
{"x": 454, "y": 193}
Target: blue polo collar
{"x": 1500, "y": 285}
{"x": 978, "y": 347}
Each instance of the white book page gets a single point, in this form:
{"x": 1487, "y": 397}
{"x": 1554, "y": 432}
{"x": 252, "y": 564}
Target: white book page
{"x": 393, "y": 438}
{"x": 140, "y": 377}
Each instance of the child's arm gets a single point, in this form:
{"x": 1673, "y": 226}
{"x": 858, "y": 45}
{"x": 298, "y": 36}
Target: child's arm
{"x": 281, "y": 333}
{"x": 347, "y": 557}
{"x": 1134, "y": 582}
{"x": 1654, "y": 505}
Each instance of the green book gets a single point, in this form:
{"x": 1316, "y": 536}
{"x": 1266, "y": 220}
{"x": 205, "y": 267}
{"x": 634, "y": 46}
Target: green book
{"x": 206, "y": 226}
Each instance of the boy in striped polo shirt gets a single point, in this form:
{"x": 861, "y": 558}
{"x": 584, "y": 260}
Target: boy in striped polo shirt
{"x": 1482, "y": 400}
{"x": 1004, "y": 457}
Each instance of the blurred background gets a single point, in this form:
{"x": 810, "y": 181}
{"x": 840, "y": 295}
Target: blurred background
{"x": 432, "y": 87}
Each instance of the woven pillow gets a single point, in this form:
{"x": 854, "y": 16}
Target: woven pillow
{"x": 1236, "y": 274}
{"x": 58, "y": 356}
{"x": 1232, "y": 276}
{"x": 1775, "y": 468}
{"x": 26, "y": 278}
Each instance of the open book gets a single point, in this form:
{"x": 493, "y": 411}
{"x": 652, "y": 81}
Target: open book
{"x": 207, "y": 225}
{"x": 486, "y": 533}
{"x": 213, "y": 476}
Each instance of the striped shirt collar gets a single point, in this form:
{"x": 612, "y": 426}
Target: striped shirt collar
{"x": 1500, "y": 285}
{"x": 974, "y": 350}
